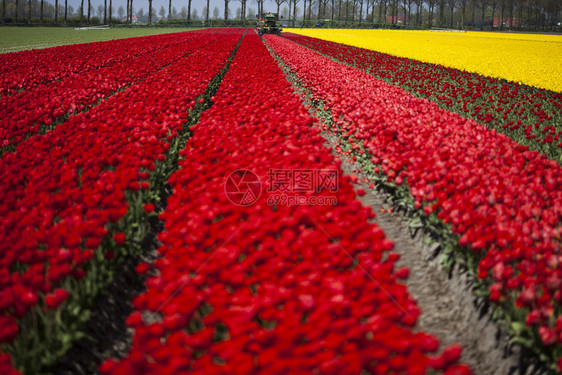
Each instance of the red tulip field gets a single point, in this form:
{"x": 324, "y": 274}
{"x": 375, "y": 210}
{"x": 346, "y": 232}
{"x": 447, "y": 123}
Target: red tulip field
{"x": 197, "y": 162}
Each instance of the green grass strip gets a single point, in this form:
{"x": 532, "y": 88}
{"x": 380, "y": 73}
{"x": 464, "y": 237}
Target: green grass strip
{"x": 13, "y": 39}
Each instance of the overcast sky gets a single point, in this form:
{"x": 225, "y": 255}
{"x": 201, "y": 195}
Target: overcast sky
{"x": 178, "y": 4}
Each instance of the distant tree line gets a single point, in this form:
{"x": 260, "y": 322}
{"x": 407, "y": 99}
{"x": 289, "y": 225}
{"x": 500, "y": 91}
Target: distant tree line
{"x": 460, "y": 14}
{"x": 59, "y": 11}
{"x": 537, "y": 15}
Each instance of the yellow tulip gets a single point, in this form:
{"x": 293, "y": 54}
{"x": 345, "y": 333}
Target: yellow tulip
{"x": 531, "y": 59}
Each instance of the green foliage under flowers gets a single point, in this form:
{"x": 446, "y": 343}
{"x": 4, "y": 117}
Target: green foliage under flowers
{"x": 528, "y": 115}
{"x": 509, "y": 317}
{"x": 47, "y": 334}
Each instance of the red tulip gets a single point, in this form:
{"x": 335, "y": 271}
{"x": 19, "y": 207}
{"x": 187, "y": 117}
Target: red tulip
{"x": 55, "y": 299}
{"x": 119, "y": 238}
{"x": 279, "y": 290}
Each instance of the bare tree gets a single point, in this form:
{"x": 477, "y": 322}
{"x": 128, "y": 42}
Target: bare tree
{"x": 483, "y": 6}
{"x": 432, "y": 4}
{"x": 494, "y": 5}
{"x": 503, "y": 5}
{"x": 537, "y": 17}
{"x": 462, "y": 4}
{"x": 170, "y": 12}
{"x": 207, "y": 12}
{"x": 381, "y": 6}
{"x": 339, "y": 10}
{"x": 511, "y": 5}
{"x": 239, "y": 10}
{"x": 320, "y": 2}
{"x": 189, "y": 10}
{"x": 295, "y": 11}
{"x": 452, "y": 4}
{"x": 360, "y": 10}
{"x": 408, "y": 13}
{"x": 441, "y": 12}
{"x": 260, "y": 7}
{"x": 553, "y": 9}
{"x": 225, "y": 9}
{"x": 278, "y": 2}
{"x": 419, "y": 9}
{"x": 386, "y": 4}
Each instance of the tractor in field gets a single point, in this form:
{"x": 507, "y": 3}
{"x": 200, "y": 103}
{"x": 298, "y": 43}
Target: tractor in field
{"x": 268, "y": 23}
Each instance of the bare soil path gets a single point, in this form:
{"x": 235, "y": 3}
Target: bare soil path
{"x": 449, "y": 309}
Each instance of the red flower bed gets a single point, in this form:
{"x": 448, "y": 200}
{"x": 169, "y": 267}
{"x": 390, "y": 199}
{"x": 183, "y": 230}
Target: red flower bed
{"x": 501, "y": 199}
{"x": 529, "y": 115}
{"x": 27, "y": 69}
{"x": 270, "y": 288}
{"x": 23, "y": 114}
{"x": 61, "y": 192}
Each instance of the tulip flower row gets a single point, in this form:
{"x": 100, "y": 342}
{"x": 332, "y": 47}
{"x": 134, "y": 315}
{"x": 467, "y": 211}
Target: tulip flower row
{"x": 25, "y": 113}
{"x": 514, "y": 57}
{"x": 501, "y": 199}
{"x": 270, "y": 288}
{"x": 27, "y": 69}
{"x": 63, "y": 195}
{"x": 530, "y": 116}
